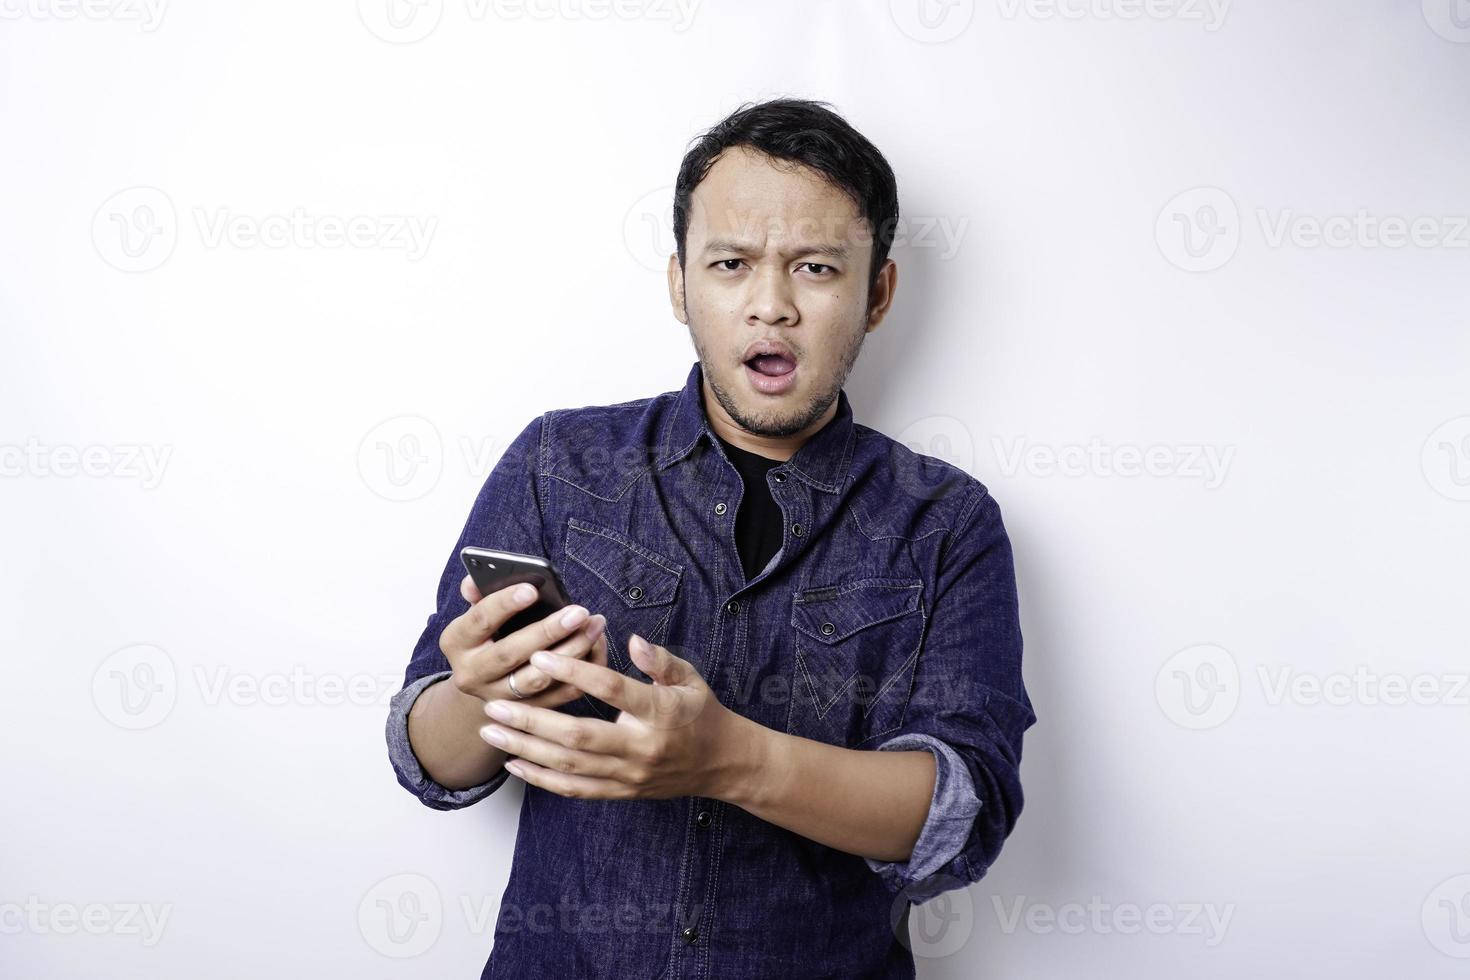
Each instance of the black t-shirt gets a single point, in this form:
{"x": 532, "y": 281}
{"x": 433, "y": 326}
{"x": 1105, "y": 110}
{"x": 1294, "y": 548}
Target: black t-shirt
{"x": 758, "y": 524}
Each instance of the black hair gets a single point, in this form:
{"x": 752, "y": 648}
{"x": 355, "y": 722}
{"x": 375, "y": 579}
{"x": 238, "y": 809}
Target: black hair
{"x": 806, "y": 132}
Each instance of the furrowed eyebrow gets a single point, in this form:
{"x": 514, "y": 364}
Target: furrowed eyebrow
{"x": 744, "y": 248}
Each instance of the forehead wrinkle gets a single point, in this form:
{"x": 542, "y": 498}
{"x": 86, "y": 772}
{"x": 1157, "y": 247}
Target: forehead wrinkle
{"x": 830, "y": 249}
{"x": 746, "y": 194}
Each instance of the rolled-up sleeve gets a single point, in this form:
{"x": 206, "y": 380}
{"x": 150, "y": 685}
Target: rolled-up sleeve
{"x": 969, "y": 708}
{"x": 506, "y": 515}
{"x": 411, "y": 775}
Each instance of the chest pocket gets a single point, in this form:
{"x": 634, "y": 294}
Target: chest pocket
{"x": 856, "y": 645}
{"x": 633, "y": 586}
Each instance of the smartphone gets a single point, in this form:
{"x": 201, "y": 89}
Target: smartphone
{"x": 495, "y": 570}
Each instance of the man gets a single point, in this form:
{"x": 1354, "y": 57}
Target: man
{"x": 796, "y": 706}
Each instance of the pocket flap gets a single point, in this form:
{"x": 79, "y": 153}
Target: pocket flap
{"x": 832, "y": 613}
{"x": 639, "y": 577}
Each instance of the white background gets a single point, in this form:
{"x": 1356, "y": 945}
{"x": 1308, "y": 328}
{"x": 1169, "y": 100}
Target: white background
{"x": 199, "y": 649}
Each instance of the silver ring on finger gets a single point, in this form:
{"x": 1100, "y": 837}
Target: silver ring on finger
{"x": 511, "y": 680}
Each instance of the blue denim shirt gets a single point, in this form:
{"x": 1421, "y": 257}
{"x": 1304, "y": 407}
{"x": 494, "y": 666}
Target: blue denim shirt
{"x": 887, "y": 621}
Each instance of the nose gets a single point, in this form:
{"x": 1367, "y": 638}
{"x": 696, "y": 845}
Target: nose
{"x": 770, "y": 300}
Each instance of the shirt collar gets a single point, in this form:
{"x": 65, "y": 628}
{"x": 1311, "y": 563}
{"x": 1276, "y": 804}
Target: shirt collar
{"x": 822, "y": 461}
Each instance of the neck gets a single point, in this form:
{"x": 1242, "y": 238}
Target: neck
{"x": 772, "y": 447}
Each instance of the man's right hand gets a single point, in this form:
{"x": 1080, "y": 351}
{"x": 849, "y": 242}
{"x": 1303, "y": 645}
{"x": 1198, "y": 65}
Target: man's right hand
{"x": 483, "y": 667}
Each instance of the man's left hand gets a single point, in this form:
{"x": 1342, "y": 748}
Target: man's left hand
{"x": 671, "y": 738}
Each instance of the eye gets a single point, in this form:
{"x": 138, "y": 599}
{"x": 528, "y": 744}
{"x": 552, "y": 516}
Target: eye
{"x": 818, "y": 265}
{"x": 722, "y": 264}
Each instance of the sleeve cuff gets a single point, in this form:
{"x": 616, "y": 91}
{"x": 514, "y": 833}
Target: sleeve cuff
{"x": 406, "y": 765}
{"x": 951, "y": 818}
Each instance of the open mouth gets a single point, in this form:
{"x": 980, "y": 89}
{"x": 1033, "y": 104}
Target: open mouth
{"x": 771, "y": 374}
{"x": 771, "y": 365}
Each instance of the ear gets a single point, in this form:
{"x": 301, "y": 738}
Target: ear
{"x": 881, "y": 298}
{"x": 676, "y": 289}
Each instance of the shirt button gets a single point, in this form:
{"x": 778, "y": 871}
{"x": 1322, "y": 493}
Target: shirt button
{"x": 732, "y": 607}
{"x": 690, "y": 934}
{"x": 797, "y": 530}
{"x": 779, "y": 477}
{"x": 720, "y": 507}
{"x": 635, "y": 593}
{"x": 828, "y": 629}
{"x": 704, "y": 818}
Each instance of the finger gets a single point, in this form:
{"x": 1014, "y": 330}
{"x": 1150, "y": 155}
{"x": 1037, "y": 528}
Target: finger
{"x": 599, "y": 650}
{"x": 543, "y": 634}
{"x": 469, "y": 590}
{"x": 659, "y": 663}
{"x": 532, "y": 680}
{"x": 558, "y": 692}
{"x": 477, "y": 624}
{"x": 589, "y": 735}
{"x": 552, "y": 697}
{"x": 576, "y": 787}
{"x": 555, "y": 696}
{"x": 583, "y": 640}
{"x": 553, "y": 755}
{"x": 603, "y": 683}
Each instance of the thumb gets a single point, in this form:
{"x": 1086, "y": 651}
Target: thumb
{"x": 656, "y": 662}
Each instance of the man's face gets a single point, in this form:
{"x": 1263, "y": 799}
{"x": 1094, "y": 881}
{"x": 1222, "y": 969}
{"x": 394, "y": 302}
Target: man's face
{"x": 774, "y": 252}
